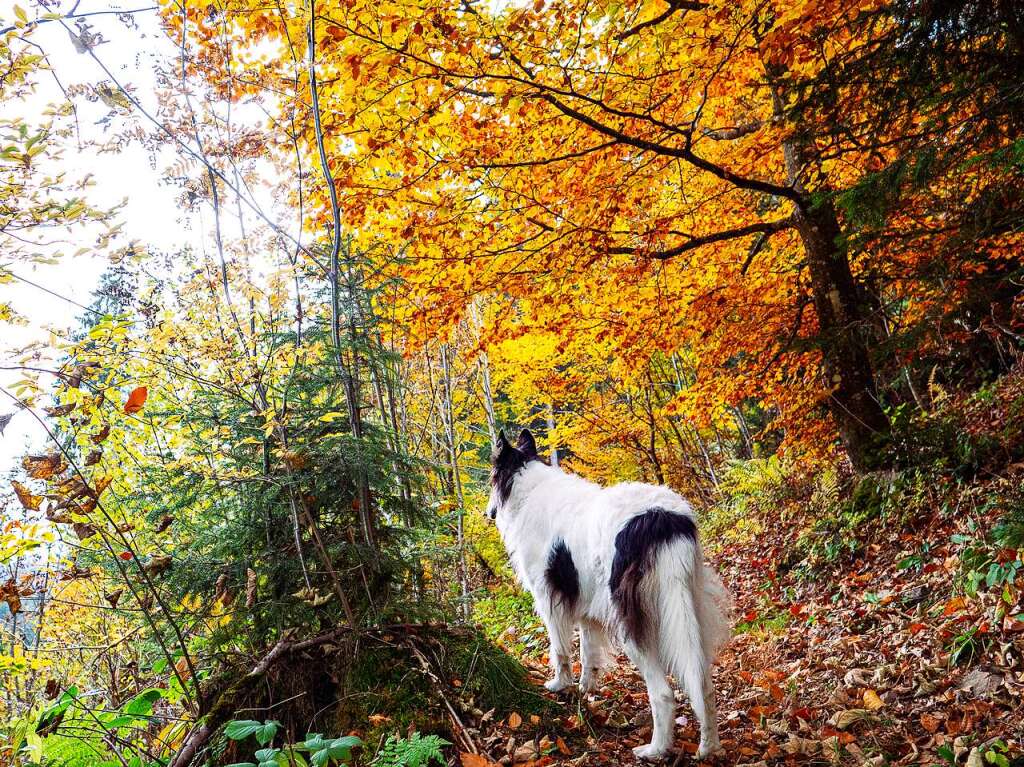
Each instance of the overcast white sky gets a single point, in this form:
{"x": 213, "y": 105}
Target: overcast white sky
{"x": 151, "y": 215}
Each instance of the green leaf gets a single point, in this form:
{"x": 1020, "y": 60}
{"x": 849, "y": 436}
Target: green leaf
{"x": 142, "y": 704}
{"x": 268, "y": 757}
{"x": 266, "y": 733}
{"x": 240, "y": 729}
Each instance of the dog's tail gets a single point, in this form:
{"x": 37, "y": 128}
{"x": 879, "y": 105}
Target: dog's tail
{"x": 693, "y": 612}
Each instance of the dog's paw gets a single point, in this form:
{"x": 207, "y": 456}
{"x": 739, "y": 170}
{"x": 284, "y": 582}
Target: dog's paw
{"x": 709, "y": 749}
{"x": 651, "y": 752}
{"x": 557, "y": 684}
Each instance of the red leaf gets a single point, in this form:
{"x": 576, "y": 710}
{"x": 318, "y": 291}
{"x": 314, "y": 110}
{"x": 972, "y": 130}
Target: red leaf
{"x": 136, "y": 400}
{"x": 125, "y": 555}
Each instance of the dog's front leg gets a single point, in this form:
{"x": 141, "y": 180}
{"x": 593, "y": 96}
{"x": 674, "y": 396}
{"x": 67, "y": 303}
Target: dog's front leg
{"x": 560, "y": 635}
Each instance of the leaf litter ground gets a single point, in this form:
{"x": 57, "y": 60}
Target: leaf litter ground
{"x": 868, "y": 661}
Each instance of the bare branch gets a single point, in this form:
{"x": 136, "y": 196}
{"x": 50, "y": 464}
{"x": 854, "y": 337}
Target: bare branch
{"x": 764, "y": 228}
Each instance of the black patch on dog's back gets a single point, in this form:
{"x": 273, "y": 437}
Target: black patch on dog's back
{"x": 635, "y": 548}
{"x": 562, "y": 576}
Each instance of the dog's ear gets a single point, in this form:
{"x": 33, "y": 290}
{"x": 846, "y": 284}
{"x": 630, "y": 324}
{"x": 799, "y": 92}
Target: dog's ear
{"x": 527, "y": 445}
{"x": 500, "y": 446}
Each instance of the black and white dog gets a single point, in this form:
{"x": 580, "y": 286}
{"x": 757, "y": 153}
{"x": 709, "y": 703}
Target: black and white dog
{"x": 623, "y": 565}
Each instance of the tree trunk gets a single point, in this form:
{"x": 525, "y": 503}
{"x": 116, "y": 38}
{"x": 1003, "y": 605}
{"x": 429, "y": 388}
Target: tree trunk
{"x": 862, "y": 424}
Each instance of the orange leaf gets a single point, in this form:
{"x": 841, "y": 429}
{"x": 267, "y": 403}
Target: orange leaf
{"x": 136, "y": 400}
{"x": 514, "y": 720}
{"x": 954, "y": 605}
{"x": 475, "y": 760}
{"x": 43, "y": 466}
{"x": 28, "y": 500}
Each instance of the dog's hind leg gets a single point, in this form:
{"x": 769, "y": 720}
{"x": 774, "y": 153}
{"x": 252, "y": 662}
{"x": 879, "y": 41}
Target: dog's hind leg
{"x": 701, "y": 692}
{"x": 593, "y": 655}
{"x": 559, "y": 626}
{"x": 662, "y": 701}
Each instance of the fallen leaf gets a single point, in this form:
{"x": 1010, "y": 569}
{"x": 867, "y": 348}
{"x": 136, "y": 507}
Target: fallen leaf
{"x": 475, "y": 760}
{"x": 843, "y": 720}
{"x": 930, "y": 723}
{"x": 981, "y": 683}
{"x": 801, "y": 746}
{"x": 871, "y": 701}
{"x": 515, "y": 720}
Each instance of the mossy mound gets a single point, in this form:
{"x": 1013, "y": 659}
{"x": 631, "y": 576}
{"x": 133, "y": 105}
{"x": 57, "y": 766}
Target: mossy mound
{"x": 403, "y": 678}
{"x": 380, "y": 681}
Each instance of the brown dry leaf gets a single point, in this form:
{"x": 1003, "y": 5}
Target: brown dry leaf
{"x": 843, "y": 720}
{"x": 60, "y": 410}
{"x": 930, "y": 723}
{"x": 181, "y": 666}
{"x": 250, "y": 588}
{"x": 9, "y": 594}
{"x": 871, "y": 701}
{"x": 801, "y": 746}
{"x": 158, "y": 563}
{"x": 165, "y": 521}
{"x": 101, "y": 435}
{"x": 100, "y": 485}
{"x": 43, "y": 466}
{"x": 83, "y": 530}
{"x": 515, "y": 721}
{"x": 562, "y": 748}
{"x": 94, "y": 457}
{"x": 114, "y": 597}
{"x": 25, "y": 496}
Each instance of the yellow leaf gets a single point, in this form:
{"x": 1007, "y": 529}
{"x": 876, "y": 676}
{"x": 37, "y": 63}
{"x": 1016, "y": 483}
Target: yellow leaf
{"x": 871, "y": 701}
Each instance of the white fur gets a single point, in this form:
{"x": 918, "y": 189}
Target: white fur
{"x": 688, "y": 604}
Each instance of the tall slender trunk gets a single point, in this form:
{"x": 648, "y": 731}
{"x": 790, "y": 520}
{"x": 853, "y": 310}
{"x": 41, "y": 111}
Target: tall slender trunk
{"x": 448, "y": 417}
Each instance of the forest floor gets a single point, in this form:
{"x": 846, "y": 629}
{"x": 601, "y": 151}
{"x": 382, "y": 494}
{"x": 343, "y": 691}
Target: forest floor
{"x": 883, "y": 660}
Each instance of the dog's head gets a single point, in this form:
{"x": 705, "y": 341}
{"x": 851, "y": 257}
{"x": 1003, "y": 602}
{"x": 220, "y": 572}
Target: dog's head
{"x": 506, "y": 462}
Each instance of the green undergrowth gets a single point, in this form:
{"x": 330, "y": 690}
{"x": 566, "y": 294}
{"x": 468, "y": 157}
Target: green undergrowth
{"x": 507, "y": 618}
{"x": 386, "y": 682}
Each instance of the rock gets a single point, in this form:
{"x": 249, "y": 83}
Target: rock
{"x": 974, "y": 758}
